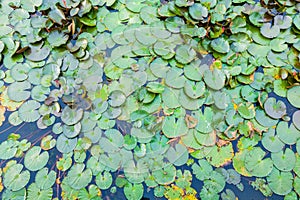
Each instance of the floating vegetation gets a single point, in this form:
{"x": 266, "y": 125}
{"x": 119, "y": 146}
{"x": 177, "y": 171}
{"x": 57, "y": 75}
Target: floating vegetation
{"x": 149, "y": 95}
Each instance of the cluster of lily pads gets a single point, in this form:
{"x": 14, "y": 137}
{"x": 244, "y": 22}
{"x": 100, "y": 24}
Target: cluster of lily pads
{"x": 131, "y": 90}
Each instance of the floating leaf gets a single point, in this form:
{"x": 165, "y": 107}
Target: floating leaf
{"x": 220, "y": 45}
{"x": 255, "y": 163}
{"x": 28, "y": 111}
{"x": 64, "y": 144}
{"x": 280, "y": 182}
{"x": 275, "y": 109}
{"x": 71, "y": 116}
{"x": 288, "y": 135}
{"x": 104, "y": 180}
{"x": 77, "y": 177}
{"x": 133, "y": 191}
{"x": 293, "y": 95}
{"x": 270, "y": 31}
{"x": 20, "y": 89}
{"x": 173, "y": 127}
{"x": 40, "y": 159}
{"x": 284, "y": 160}
{"x": 214, "y": 79}
{"x": 45, "y": 180}
{"x": 15, "y": 179}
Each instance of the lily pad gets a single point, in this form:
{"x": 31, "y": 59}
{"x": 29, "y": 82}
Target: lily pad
{"x": 287, "y": 134}
{"x": 45, "y": 180}
{"x": 173, "y": 127}
{"x": 20, "y": 89}
{"x": 104, "y": 180}
{"x": 280, "y": 182}
{"x": 71, "y": 116}
{"x": 133, "y": 191}
{"x": 284, "y": 160}
{"x": 65, "y": 145}
{"x": 15, "y": 179}
{"x": 255, "y": 163}
{"x": 28, "y": 111}
{"x": 40, "y": 159}
{"x": 293, "y": 95}
{"x": 275, "y": 109}
{"x": 214, "y": 79}
{"x": 78, "y": 177}
{"x": 270, "y": 31}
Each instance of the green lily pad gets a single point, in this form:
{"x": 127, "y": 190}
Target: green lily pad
{"x": 28, "y": 111}
{"x": 57, "y": 38}
{"x": 104, "y": 180}
{"x": 20, "y": 89}
{"x": 271, "y": 142}
{"x": 275, "y": 109}
{"x": 202, "y": 170}
{"x": 283, "y": 22}
{"x": 296, "y": 119}
{"x": 40, "y": 159}
{"x": 173, "y": 127}
{"x": 270, "y": 31}
{"x": 220, "y": 156}
{"x": 247, "y": 110}
{"x": 255, "y": 163}
{"x": 34, "y": 192}
{"x": 214, "y": 79}
{"x": 37, "y": 53}
{"x": 185, "y": 54}
{"x": 197, "y": 11}
{"x": 65, "y": 145}
{"x": 175, "y": 79}
{"x": 281, "y": 183}
{"x": 165, "y": 175}
{"x": 220, "y": 45}
{"x": 194, "y": 90}
{"x": 284, "y": 160}
{"x": 287, "y": 134}
{"x": 19, "y": 72}
{"x": 15, "y": 179}
{"x": 45, "y": 180}
{"x": 116, "y": 98}
{"x": 133, "y": 191}
{"x": 8, "y": 150}
{"x": 71, "y": 116}
{"x": 177, "y": 155}
{"x": 78, "y": 177}
{"x": 293, "y": 95}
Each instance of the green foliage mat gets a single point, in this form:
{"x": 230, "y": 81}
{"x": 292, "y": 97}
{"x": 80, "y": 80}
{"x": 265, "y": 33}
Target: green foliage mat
{"x": 139, "y": 88}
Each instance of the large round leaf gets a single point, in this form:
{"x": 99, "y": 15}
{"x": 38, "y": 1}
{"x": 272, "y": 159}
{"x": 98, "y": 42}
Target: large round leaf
{"x": 215, "y": 79}
{"x": 44, "y": 179}
{"x": 15, "y": 179}
{"x": 35, "y": 160}
{"x": 34, "y": 192}
{"x": 255, "y": 163}
{"x": 28, "y": 111}
{"x": 71, "y": 116}
{"x": 275, "y": 109}
{"x": 65, "y": 145}
{"x": 284, "y": 160}
{"x": 288, "y": 135}
{"x": 77, "y": 177}
{"x": 17, "y": 91}
{"x": 173, "y": 127}
{"x": 281, "y": 183}
{"x": 133, "y": 191}
{"x": 104, "y": 180}
{"x": 293, "y": 96}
